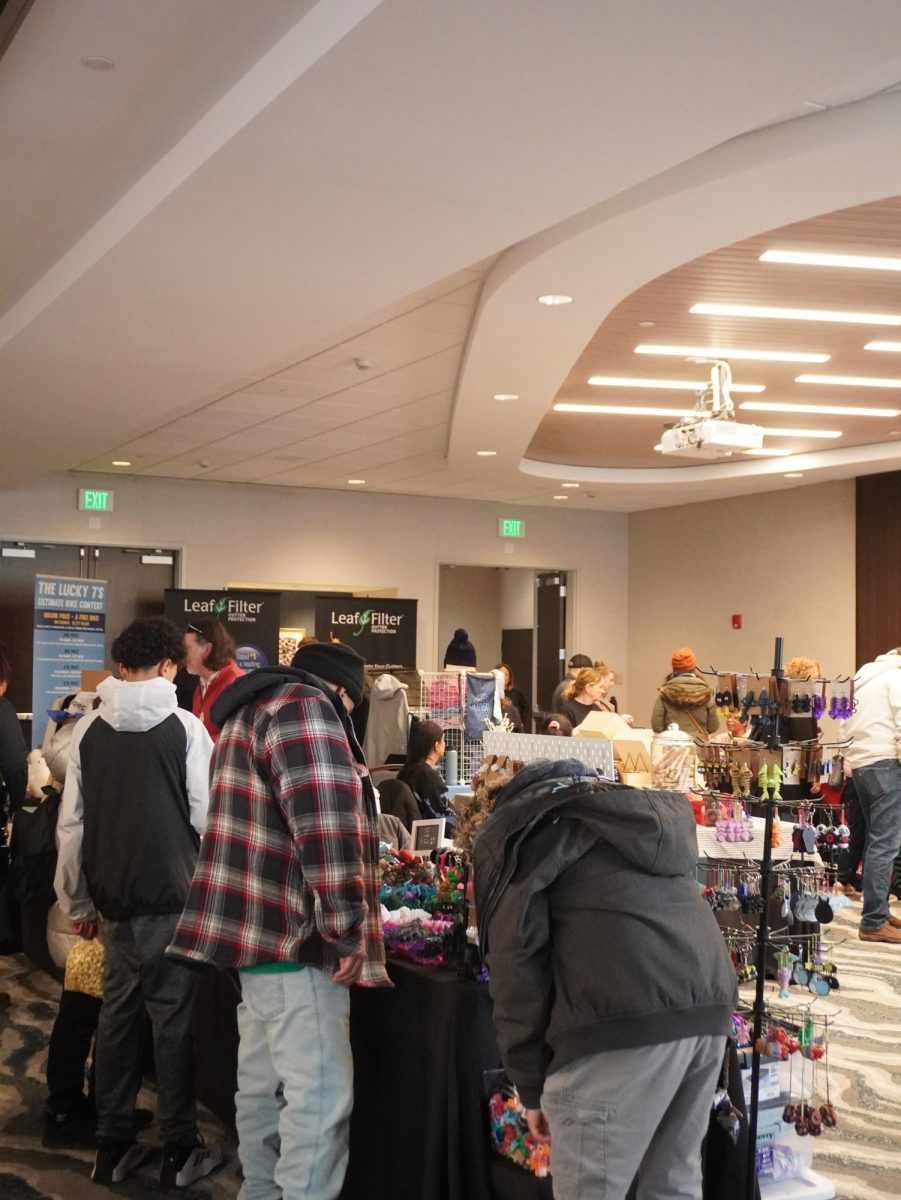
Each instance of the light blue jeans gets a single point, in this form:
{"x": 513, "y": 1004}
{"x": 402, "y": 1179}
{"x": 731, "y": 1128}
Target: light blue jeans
{"x": 879, "y": 796}
{"x": 620, "y": 1112}
{"x": 295, "y": 1085}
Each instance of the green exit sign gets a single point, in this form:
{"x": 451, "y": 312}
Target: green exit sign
{"x": 94, "y": 500}
{"x": 509, "y": 527}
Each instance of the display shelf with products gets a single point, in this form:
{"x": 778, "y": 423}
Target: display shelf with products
{"x": 771, "y": 704}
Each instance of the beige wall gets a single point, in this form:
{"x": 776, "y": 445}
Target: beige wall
{"x": 306, "y": 536}
{"x": 471, "y": 597}
{"x": 784, "y": 560}
{"x": 517, "y": 598}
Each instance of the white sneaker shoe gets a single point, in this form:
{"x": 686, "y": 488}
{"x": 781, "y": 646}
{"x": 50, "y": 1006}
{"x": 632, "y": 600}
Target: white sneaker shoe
{"x": 184, "y": 1165}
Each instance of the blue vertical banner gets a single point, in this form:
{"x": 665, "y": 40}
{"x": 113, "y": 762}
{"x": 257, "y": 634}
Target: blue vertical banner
{"x": 69, "y": 637}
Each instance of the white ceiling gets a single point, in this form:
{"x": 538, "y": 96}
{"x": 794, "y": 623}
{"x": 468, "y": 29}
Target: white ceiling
{"x": 198, "y": 244}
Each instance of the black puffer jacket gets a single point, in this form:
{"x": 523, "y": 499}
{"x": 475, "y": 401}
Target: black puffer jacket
{"x": 594, "y": 931}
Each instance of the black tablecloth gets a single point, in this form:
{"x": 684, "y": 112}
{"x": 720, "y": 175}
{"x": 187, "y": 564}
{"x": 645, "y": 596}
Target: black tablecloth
{"x": 420, "y": 1050}
{"x": 419, "y": 1054}
{"x": 419, "y": 1126}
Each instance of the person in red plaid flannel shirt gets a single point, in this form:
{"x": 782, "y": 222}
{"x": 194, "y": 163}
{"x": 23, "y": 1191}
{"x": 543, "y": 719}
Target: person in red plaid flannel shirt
{"x": 286, "y": 890}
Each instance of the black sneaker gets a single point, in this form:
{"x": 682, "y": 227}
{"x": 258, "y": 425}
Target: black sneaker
{"x": 70, "y": 1129}
{"x": 184, "y": 1165}
{"x": 116, "y": 1160}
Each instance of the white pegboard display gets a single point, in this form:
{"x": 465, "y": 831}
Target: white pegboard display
{"x": 527, "y": 747}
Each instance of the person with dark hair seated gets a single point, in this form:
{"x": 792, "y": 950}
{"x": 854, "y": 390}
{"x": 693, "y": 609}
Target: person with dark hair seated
{"x": 210, "y": 653}
{"x": 396, "y": 799}
{"x": 425, "y": 749}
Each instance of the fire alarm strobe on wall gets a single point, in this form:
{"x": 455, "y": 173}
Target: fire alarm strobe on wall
{"x": 711, "y": 430}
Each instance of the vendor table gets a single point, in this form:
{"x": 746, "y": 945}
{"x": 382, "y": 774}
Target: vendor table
{"x": 420, "y": 1050}
{"x": 418, "y": 1127}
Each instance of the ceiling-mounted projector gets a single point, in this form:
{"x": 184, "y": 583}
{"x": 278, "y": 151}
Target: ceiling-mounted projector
{"x": 711, "y": 430}
{"x": 708, "y": 437}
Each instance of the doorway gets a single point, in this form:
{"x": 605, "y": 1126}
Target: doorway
{"x": 514, "y": 615}
{"x": 136, "y": 580}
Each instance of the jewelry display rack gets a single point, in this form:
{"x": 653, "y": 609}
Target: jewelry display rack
{"x": 770, "y": 743}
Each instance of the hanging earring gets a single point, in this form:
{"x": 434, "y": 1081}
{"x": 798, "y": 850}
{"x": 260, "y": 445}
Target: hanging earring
{"x": 776, "y": 781}
{"x": 762, "y": 780}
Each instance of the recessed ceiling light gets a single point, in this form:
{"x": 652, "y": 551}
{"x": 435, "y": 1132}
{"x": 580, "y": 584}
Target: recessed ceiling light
{"x": 96, "y": 62}
{"x": 849, "y": 380}
{"x": 675, "y": 385}
{"x": 357, "y": 482}
{"x": 569, "y": 485}
{"x": 793, "y": 475}
{"x": 794, "y": 314}
{"x": 505, "y": 396}
{"x": 623, "y": 410}
{"x": 561, "y": 497}
{"x": 810, "y": 258}
{"x": 552, "y": 299}
{"x": 803, "y": 433}
{"x": 486, "y": 453}
{"x": 823, "y": 410}
{"x": 121, "y": 462}
{"x": 788, "y": 356}
{"x": 894, "y": 347}
{"x": 765, "y": 453}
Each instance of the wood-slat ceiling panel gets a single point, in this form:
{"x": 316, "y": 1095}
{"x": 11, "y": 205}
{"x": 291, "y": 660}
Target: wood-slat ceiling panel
{"x": 734, "y": 274}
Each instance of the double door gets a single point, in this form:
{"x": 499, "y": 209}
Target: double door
{"x": 136, "y": 582}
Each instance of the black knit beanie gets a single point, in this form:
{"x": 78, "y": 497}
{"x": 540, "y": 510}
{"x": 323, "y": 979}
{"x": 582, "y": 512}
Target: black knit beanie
{"x": 335, "y": 663}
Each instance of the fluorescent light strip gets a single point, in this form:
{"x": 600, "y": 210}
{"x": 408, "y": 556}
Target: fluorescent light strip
{"x": 894, "y": 347}
{"x": 821, "y": 410}
{"x": 788, "y": 356}
{"x": 794, "y": 314}
{"x": 622, "y": 410}
{"x": 809, "y": 258}
{"x": 849, "y": 380}
{"x": 675, "y": 385}
{"x": 768, "y": 453}
{"x": 803, "y": 433}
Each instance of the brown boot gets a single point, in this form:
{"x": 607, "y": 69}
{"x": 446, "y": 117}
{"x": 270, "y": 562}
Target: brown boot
{"x": 888, "y": 933}
{"x": 894, "y": 921}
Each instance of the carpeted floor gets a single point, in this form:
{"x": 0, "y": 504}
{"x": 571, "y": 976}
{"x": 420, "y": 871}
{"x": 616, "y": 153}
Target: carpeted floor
{"x": 862, "y": 1156}
{"x": 29, "y": 1170}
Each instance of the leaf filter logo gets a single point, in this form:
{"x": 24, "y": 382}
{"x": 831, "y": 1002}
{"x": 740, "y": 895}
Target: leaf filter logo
{"x": 364, "y": 620}
{"x": 220, "y": 606}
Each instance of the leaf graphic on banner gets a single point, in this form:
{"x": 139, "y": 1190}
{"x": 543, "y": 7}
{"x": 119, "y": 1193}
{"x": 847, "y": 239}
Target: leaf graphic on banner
{"x": 220, "y": 606}
{"x": 364, "y": 620}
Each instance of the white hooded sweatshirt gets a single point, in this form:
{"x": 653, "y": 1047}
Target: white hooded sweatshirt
{"x": 876, "y": 723}
{"x": 136, "y": 706}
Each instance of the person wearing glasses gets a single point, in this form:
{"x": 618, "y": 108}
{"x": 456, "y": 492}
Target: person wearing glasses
{"x": 210, "y": 653}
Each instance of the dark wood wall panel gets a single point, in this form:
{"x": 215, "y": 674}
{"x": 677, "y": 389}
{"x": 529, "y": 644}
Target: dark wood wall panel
{"x": 878, "y": 565}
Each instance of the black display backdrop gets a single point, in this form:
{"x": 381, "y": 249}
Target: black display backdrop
{"x": 383, "y": 631}
{"x": 253, "y": 619}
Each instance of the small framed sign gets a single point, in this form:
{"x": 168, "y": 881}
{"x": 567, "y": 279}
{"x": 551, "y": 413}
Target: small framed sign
{"x": 426, "y": 836}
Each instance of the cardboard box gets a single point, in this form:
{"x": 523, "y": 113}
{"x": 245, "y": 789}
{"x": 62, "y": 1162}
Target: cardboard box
{"x": 90, "y": 679}
{"x": 631, "y": 747}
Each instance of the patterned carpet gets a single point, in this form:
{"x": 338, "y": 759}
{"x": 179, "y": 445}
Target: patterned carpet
{"x": 862, "y": 1157}
{"x": 30, "y": 1171}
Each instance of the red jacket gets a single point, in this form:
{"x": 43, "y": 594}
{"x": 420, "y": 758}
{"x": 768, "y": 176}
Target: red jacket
{"x": 201, "y": 705}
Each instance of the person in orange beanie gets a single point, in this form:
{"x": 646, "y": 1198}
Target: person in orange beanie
{"x": 685, "y": 700}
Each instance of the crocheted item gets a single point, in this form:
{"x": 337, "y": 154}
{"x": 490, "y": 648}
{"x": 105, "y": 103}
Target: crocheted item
{"x": 510, "y": 1136}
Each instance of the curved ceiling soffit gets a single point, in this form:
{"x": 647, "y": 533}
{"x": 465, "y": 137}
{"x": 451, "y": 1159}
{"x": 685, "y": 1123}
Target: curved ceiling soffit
{"x": 762, "y": 180}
